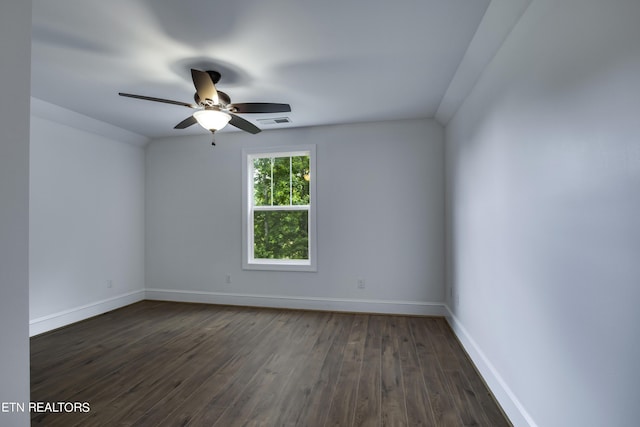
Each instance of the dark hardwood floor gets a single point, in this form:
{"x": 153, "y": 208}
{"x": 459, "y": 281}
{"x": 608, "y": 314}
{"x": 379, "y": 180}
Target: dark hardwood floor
{"x": 173, "y": 364}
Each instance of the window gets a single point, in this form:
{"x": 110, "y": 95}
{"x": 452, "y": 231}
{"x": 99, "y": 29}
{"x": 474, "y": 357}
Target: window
{"x": 279, "y": 209}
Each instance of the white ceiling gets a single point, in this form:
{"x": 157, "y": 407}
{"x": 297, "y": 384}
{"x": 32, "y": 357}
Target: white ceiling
{"x": 334, "y": 61}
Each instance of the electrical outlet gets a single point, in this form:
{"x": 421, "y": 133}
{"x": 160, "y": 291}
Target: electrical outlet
{"x": 227, "y": 278}
{"x": 360, "y": 283}
{"x": 109, "y": 283}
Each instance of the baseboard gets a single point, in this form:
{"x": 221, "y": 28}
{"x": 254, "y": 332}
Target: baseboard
{"x": 301, "y": 303}
{"x": 76, "y": 314}
{"x": 503, "y": 394}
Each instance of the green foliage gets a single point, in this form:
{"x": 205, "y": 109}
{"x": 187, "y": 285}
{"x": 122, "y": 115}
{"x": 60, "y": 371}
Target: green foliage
{"x": 288, "y": 186}
{"x": 281, "y": 234}
{"x": 281, "y": 181}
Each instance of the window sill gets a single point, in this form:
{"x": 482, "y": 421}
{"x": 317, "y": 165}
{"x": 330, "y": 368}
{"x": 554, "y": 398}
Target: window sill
{"x": 277, "y": 265}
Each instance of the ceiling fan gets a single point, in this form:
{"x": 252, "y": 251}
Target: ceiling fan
{"x": 214, "y": 107}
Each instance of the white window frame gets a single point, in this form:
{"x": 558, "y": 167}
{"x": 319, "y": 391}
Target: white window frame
{"x": 248, "y": 261}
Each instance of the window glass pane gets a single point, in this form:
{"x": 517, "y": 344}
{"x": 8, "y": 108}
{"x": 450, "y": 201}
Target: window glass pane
{"x": 281, "y": 194}
{"x": 262, "y": 181}
{"x": 300, "y": 180}
{"x": 281, "y": 234}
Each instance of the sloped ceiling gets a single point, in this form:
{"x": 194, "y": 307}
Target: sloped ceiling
{"x": 334, "y": 61}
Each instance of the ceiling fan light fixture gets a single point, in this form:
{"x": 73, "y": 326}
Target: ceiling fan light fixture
{"x": 212, "y": 120}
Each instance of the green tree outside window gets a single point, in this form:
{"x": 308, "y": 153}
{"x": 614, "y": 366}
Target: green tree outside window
{"x": 281, "y": 207}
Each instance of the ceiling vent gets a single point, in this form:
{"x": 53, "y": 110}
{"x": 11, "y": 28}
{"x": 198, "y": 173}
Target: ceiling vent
{"x": 274, "y": 121}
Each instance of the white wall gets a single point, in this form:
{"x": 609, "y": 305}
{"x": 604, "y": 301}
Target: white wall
{"x": 86, "y": 222}
{"x": 15, "y": 49}
{"x": 380, "y": 217}
{"x": 543, "y": 177}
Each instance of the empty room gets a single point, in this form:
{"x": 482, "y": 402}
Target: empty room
{"x": 336, "y": 213}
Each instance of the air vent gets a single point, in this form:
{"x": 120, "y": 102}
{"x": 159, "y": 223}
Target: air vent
{"x": 274, "y": 121}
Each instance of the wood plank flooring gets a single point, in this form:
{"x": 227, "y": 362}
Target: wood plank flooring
{"x": 172, "y": 364}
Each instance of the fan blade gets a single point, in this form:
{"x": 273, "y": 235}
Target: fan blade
{"x": 186, "y": 123}
{"x": 204, "y": 86}
{"x": 243, "y": 124}
{"x": 149, "y": 98}
{"x": 215, "y": 76}
{"x": 260, "y": 107}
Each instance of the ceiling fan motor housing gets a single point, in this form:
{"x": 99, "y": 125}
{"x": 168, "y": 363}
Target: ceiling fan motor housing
{"x": 223, "y": 100}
